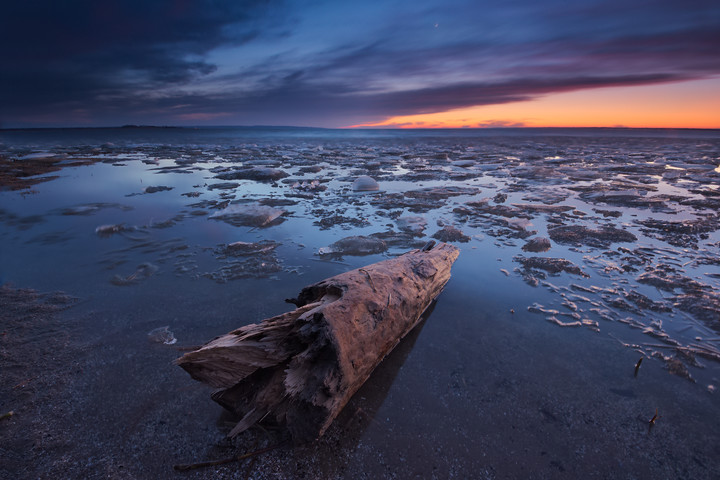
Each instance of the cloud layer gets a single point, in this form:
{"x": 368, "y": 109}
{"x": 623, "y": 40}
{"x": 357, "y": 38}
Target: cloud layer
{"x": 320, "y": 63}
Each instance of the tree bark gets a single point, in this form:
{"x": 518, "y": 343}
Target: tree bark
{"x": 303, "y": 366}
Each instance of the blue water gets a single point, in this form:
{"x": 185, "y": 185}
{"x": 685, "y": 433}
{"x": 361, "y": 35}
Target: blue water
{"x": 486, "y": 363}
{"x": 230, "y": 135}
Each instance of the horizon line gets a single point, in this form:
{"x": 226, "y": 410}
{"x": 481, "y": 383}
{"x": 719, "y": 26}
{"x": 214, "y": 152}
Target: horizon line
{"x": 359, "y": 128}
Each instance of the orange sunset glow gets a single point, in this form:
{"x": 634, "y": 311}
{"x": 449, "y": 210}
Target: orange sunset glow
{"x": 691, "y": 104}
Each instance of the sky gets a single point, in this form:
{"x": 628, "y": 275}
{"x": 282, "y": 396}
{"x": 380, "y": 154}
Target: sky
{"x": 370, "y": 63}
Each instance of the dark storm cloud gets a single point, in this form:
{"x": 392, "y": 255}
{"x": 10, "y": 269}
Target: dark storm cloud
{"x": 302, "y": 104}
{"x": 327, "y": 63}
{"x": 75, "y": 51}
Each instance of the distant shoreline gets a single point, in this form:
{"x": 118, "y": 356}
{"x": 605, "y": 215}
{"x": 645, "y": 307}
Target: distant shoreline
{"x": 353, "y": 129}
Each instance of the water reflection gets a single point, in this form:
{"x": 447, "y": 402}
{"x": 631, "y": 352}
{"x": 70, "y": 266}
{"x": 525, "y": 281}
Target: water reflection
{"x": 626, "y": 230}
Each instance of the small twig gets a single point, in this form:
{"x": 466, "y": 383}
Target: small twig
{"x": 7, "y": 415}
{"x": 236, "y": 458}
{"x": 24, "y": 383}
{"x": 707, "y": 348}
{"x": 368, "y": 277}
{"x": 658, "y": 345}
{"x": 652, "y": 421}
{"x": 637, "y": 366}
{"x": 629, "y": 345}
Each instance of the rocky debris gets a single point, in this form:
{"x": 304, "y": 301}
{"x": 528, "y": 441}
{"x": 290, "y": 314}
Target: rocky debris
{"x": 191, "y": 194}
{"x": 585, "y": 322}
{"x": 258, "y": 174}
{"x": 162, "y": 335}
{"x": 540, "y": 208}
{"x": 413, "y": 225}
{"x": 106, "y": 231}
{"x": 399, "y": 239}
{"x": 549, "y": 264}
{"x": 365, "y": 184}
{"x": 608, "y": 213}
{"x": 441, "y": 193}
{"x": 500, "y": 198}
{"x": 702, "y": 305}
{"x": 627, "y": 198}
{"x": 518, "y": 228}
{"x": 143, "y": 272}
{"x": 635, "y": 168}
{"x": 332, "y": 219}
{"x": 389, "y": 201}
{"x": 210, "y": 204}
{"x": 277, "y": 202}
{"x": 306, "y": 189}
{"x": 246, "y": 267}
{"x": 180, "y": 167}
{"x": 669, "y": 281}
{"x": 448, "y": 233}
{"x": 24, "y": 172}
{"x": 683, "y": 233}
{"x": 312, "y": 187}
{"x": 712, "y": 204}
{"x": 546, "y": 197}
{"x": 482, "y": 207}
{"x": 310, "y": 169}
{"x": 646, "y": 303}
{"x": 705, "y": 192}
{"x": 249, "y": 215}
{"x": 243, "y": 260}
{"x": 620, "y": 303}
{"x": 223, "y": 186}
{"x": 356, "y": 245}
{"x": 580, "y": 235}
{"x": 500, "y": 221}
{"x": 675, "y": 366}
{"x": 547, "y": 174}
{"x": 424, "y": 172}
{"x": 249, "y": 248}
{"x": 536, "y": 245}
{"x": 158, "y": 188}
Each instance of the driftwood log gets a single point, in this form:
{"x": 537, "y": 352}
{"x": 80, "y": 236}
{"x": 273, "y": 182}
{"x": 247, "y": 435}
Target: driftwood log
{"x": 301, "y": 368}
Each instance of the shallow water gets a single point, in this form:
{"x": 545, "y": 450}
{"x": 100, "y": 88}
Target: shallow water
{"x": 519, "y": 371}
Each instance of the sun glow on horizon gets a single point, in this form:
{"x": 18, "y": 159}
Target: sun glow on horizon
{"x": 689, "y": 104}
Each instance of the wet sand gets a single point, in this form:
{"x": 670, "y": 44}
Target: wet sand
{"x": 525, "y": 368}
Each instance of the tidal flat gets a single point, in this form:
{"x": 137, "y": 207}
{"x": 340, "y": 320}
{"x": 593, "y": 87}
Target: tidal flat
{"x": 582, "y": 252}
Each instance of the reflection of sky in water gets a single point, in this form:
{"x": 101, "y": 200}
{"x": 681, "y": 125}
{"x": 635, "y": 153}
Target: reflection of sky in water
{"x": 123, "y": 184}
{"x": 62, "y": 252}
